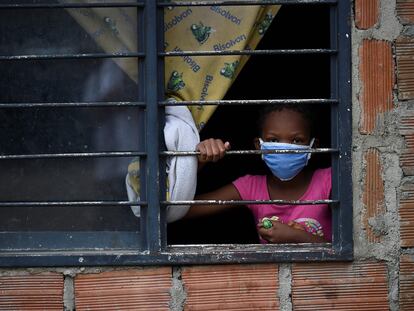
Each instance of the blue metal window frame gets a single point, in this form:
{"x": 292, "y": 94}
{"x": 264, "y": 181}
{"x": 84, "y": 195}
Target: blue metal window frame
{"x": 152, "y": 248}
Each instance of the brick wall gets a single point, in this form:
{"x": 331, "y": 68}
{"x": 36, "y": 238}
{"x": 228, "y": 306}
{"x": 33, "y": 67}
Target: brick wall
{"x": 382, "y": 275}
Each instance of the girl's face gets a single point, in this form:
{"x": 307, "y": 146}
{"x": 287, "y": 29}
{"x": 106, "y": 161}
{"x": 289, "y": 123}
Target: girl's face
{"x": 286, "y": 126}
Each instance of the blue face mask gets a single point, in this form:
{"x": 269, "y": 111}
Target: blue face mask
{"x": 285, "y": 166}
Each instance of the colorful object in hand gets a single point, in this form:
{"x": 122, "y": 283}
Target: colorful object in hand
{"x": 267, "y": 222}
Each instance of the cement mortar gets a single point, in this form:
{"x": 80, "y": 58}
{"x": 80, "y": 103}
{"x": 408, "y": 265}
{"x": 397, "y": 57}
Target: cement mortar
{"x": 285, "y": 287}
{"x": 178, "y": 293}
{"x": 68, "y": 294}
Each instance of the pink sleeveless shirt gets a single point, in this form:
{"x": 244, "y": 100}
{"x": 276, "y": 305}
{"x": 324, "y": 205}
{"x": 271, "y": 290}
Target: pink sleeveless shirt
{"x": 316, "y": 219}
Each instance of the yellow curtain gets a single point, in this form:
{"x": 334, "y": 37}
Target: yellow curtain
{"x": 210, "y": 28}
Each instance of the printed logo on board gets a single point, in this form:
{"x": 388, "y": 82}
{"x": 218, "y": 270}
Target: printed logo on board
{"x": 112, "y": 25}
{"x": 201, "y": 32}
{"x": 177, "y": 19}
{"x": 229, "y": 69}
{"x": 188, "y": 60}
{"x": 265, "y": 23}
{"x": 227, "y": 45}
{"x": 226, "y": 14}
{"x": 206, "y": 85}
{"x": 176, "y": 82}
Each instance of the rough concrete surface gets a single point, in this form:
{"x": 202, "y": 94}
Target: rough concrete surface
{"x": 285, "y": 287}
{"x": 178, "y": 294}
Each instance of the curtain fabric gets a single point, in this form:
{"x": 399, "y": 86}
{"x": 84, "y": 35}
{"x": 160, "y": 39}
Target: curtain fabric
{"x": 210, "y": 28}
{"x": 188, "y": 28}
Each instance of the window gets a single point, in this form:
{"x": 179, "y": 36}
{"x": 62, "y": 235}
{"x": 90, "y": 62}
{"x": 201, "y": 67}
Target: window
{"x": 62, "y": 202}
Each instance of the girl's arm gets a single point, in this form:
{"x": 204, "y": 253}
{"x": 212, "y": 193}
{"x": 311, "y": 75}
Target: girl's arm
{"x": 225, "y": 193}
{"x": 212, "y": 150}
{"x": 283, "y": 233}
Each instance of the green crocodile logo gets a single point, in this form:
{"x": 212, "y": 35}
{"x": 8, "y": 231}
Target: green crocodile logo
{"x": 175, "y": 82}
{"x": 112, "y": 25}
{"x": 265, "y": 23}
{"x": 201, "y": 32}
{"x": 229, "y": 69}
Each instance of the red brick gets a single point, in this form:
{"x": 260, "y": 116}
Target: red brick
{"x": 31, "y": 292}
{"x": 373, "y": 196}
{"x": 404, "y": 49}
{"x": 407, "y": 283}
{"x": 377, "y": 80}
{"x": 406, "y": 213}
{"x": 138, "y": 289}
{"x": 405, "y": 10}
{"x": 231, "y": 287}
{"x": 407, "y": 159}
{"x": 340, "y": 286}
{"x": 366, "y": 13}
{"x": 406, "y": 128}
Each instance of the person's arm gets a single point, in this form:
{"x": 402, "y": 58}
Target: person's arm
{"x": 282, "y": 233}
{"x": 225, "y": 193}
{"x": 212, "y": 150}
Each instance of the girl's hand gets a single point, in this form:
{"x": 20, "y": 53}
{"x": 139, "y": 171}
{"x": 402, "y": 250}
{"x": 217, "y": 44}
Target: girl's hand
{"x": 287, "y": 233}
{"x": 212, "y": 150}
{"x": 295, "y": 225}
{"x": 278, "y": 233}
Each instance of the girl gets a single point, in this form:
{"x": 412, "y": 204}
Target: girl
{"x": 281, "y": 127}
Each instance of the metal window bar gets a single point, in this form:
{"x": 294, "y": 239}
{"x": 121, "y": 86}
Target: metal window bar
{"x": 71, "y": 203}
{"x": 68, "y": 5}
{"x": 244, "y": 202}
{"x": 248, "y": 52}
{"x": 151, "y": 217}
{"x": 342, "y": 217}
{"x": 166, "y": 54}
{"x": 243, "y": 2}
{"x": 153, "y": 74}
{"x": 73, "y": 155}
{"x": 249, "y": 102}
{"x": 70, "y": 56}
{"x": 72, "y": 104}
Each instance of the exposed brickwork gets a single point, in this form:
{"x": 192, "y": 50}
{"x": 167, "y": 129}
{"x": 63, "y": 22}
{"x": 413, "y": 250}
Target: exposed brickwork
{"x": 406, "y": 208}
{"x": 404, "y": 49}
{"x": 366, "y": 13}
{"x": 406, "y": 128}
{"x": 31, "y": 292}
{"x": 406, "y": 212}
{"x": 340, "y": 286}
{"x": 373, "y": 197}
{"x": 232, "y": 287}
{"x": 139, "y": 289}
{"x": 407, "y": 283}
{"x": 405, "y": 11}
{"x": 377, "y": 79}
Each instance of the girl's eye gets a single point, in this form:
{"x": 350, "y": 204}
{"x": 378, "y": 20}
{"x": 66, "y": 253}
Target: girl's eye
{"x": 273, "y": 140}
{"x": 297, "y": 141}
